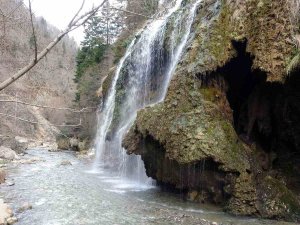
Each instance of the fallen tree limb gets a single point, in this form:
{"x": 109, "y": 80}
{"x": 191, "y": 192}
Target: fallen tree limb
{"x": 35, "y": 122}
{"x": 83, "y": 110}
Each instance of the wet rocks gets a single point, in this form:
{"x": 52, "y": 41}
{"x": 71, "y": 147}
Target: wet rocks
{"x": 10, "y": 183}
{"x": 11, "y": 220}
{"x": 65, "y": 163}
{"x": 20, "y": 144}
{"x": 82, "y": 146}
{"x": 63, "y": 143}
{"x": 32, "y": 160}
{"x": 6, "y": 214}
{"x": 192, "y": 195}
{"x": 277, "y": 201}
{"x": 26, "y": 206}
{"x": 244, "y": 196}
{"x": 74, "y": 144}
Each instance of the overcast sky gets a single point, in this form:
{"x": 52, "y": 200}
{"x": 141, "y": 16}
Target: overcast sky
{"x": 60, "y": 12}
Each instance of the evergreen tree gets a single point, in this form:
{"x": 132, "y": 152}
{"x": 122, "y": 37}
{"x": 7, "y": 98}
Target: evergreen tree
{"x": 100, "y": 31}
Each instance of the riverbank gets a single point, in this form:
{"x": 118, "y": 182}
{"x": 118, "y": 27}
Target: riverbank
{"x": 9, "y": 159}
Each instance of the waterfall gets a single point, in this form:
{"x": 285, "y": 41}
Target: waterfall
{"x": 141, "y": 79}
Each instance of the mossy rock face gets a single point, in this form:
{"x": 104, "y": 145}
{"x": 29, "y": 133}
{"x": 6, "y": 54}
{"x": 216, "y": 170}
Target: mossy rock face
{"x": 107, "y": 82}
{"x": 264, "y": 24}
{"x": 190, "y": 127}
{"x": 244, "y": 196}
{"x": 63, "y": 143}
{"x": 191, "y": 130}
{"x": 194, "y": 123}
{"x": 277, "y": 201}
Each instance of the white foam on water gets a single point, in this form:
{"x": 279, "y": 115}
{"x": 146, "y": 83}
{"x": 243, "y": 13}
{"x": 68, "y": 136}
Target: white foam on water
{"x": 143, "y": 60}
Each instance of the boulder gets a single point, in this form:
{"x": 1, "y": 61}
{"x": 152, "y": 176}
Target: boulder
{"x": 8, "y": 153}
{"x": 5, "y": 213}
{"x": 20, "y": 144}
{"x": 12, "y": 220}
{"x": 10, "y": 183}
{"x": 192, "y": 195}
{"x": 74, "y": 144}
{"x": 63, "y": 143}
{"x": 26, "y": 206}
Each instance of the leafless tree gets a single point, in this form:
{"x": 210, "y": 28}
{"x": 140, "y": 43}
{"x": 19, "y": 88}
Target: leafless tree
{"x": 77, "y": 21}
{"x": 9, "y": 16}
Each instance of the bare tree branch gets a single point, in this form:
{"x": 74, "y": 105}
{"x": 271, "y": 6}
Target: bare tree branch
{"x": 72, "y": 20}
{"x": 72, "y": 26}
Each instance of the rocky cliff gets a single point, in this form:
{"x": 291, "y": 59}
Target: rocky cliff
{"x": 229, "y": 126}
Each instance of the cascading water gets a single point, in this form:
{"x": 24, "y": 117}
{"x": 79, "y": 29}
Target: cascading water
{"x": 141, "y": 79}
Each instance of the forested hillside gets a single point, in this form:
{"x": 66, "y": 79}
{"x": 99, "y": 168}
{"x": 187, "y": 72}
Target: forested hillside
{"x": 50, "y": 83}
{"x": 107, "y": 35}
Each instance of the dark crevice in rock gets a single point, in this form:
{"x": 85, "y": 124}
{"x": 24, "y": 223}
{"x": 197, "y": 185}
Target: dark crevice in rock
{"x": 266, "y": 116}
{"x": 241, "y": 80}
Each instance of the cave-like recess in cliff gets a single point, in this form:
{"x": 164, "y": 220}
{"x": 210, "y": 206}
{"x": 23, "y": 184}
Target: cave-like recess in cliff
{"x": 203, "y": 176}
{"x": 266, "y": 114}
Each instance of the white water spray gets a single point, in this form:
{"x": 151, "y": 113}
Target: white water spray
{"x": 141, "y": 79}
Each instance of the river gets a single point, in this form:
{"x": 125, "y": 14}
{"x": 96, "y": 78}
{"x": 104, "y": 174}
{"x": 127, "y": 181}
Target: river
{"x": 73, "y": 195}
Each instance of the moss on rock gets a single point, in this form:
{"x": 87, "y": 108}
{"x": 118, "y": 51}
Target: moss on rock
{"x": 265, "y": 24}
{"x": 195, "y": 120}
{"x": 277, "y": 200}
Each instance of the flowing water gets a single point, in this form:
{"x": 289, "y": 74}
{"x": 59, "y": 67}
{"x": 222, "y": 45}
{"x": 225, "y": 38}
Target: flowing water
{"x": 141, "y": 79}
{"x": 70, "y": 195}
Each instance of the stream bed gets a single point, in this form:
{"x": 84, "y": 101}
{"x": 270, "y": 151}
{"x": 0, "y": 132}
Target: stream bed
{"x": 73, "y": 195}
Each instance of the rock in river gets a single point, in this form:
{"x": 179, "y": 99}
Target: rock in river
{"x": 65, "y": 163}
{"x": 26, "y": 206}
{"x": 7, "y": 153}
{"x": 5, "y": 213}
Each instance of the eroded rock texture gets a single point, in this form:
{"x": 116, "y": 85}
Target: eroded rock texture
{"x": 228, "y": 130}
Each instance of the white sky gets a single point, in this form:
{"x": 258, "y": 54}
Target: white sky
{"x": 60, "y": 12}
